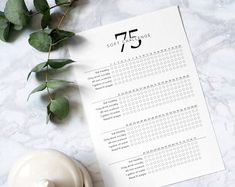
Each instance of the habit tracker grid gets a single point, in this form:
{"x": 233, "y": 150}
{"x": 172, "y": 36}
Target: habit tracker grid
{"x": 143, "y": 102}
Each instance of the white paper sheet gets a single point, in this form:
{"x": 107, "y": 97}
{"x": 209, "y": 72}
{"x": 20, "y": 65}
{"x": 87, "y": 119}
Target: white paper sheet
{"x": 144, "y": 103}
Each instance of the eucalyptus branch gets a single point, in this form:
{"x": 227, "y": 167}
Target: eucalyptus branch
{"x": 46, "y": 73}
{"x": 16, "y": 16}
{"x": 49, "y": 52}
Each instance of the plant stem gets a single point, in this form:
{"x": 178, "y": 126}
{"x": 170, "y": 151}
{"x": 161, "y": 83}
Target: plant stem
{"x": 54, "y": 6}
{"x": 46, "y": 74}
{"x": 50, "y": 48}
{"x": 64, "y": 15}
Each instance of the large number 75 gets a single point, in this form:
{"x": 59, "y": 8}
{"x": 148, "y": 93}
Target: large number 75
{"x": 130, "y": 36}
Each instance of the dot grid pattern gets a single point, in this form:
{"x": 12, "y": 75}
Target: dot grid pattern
{"x": 163, "y": 125}
{"x": 147, "y": 65}
{"x": 154, "y": 95}
{"x": 172, "y": 156}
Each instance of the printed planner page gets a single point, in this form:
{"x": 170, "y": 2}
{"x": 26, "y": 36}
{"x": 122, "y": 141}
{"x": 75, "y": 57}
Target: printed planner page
{"x": 143, "y": 102}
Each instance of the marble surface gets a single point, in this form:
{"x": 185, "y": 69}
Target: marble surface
{"x": 210, "y": 25}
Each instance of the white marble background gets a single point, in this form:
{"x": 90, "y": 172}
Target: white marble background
{"x": 210, "y": 25}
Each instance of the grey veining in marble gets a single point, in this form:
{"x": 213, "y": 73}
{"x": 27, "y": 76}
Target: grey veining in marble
{"x": 210, "y": 25}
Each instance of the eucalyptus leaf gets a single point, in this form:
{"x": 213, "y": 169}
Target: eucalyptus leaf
{"x": 58, "y": 35}
{"x": 16, "y": 12}
{"x": 4, "y": 27}
{"x": 40, "y": 40}
{"x": 18, "y": 27}
{"x": 58, "y": 63}
{"x": 37, "y": 68}
{"x": 41, "y": 87}
{"x": 54, "y": 83}
{"x": 3, "y": 20}
{"x": 41, "y": 6}
{"x": 59, "y": 107}
{"x": 46, "y": 18}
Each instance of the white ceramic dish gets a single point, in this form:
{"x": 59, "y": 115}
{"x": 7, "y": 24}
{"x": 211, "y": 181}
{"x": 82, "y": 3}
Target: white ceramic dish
{"x": 48, "y": 168}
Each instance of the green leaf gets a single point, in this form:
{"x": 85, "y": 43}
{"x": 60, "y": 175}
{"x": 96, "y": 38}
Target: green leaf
{"x": 58, "y": 63}
{"x": 38, "y": 89}
{"x": 54, "y": 83}
{"x": 58, "y": 35}
{"x": 41, "y": 6}
{"x": 18, "y": 27}
{"x": 4, "y": 27}
{"x": 37, "y": 68}
{"x": 16, "y": 12}
{"x": 62, "y": 2}
{"x": 59, "y": 107}
{"x": 46, "y": 18}
{"x": 40, "y": 40}
{"x": 3, "y": 21}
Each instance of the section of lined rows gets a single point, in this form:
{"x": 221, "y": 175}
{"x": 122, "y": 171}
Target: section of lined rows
{"x": 148, "y": 64}
{"x": 153, "y": 128}
{"x": 172, "y": 156}
{"x": 163, "y": 125}
{"x": 161, "y": 158}
{"x": 154, "y": 95}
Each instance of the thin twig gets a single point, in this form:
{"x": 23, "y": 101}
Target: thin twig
{"x": 46, "y": 73}
{"x": 64, "y": 15}
{"x": 54, "y": 6}
{"x": 50, "y": 48}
